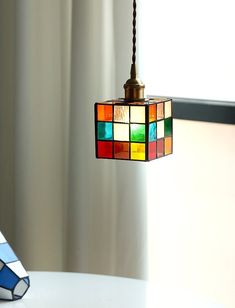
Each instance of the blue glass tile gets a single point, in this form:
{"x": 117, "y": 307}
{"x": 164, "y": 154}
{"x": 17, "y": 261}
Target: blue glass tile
{"x": 7, "y": 254}
{"x": 8, "y": 279}
{"x": 105, "y": 131}
{"x": 152, "y": 132}
{"x": 26, "y": 280}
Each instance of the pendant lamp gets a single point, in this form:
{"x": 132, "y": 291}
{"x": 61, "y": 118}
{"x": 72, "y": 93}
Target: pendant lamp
{"x": 134, "y": 128}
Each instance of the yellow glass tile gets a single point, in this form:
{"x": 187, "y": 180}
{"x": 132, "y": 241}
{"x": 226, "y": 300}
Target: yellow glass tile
{"x": 168, "y": 112}
{"x": 137, "y": 151}
{"x": 121, "y": 114}
{"x": 137, "y": 114}
{"x": 168, "y": 145}
{"x": 121, "y": 132}
{"x": 160, "y": 129}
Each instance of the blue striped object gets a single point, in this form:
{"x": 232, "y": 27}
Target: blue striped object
{"x": 14, "y": 280}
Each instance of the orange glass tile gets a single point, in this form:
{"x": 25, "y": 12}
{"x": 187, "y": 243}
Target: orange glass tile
{"x": 121, "y": 150}
{"x": 160, "y": 111}
{"x": 104, "y": 113}
{"x": 121, "y": 114}
{"x": 138, "y": 151}
{"x": 152, "y": 113}
{"x": 168, "y": 145}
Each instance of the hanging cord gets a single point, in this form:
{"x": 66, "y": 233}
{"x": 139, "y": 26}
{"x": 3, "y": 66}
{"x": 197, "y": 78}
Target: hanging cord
{"x": 134, "y": 33}
{"x": 133, "y": 66}
{"x": 134, "y": 87}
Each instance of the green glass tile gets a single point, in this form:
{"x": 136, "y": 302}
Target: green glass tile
{"x": 105, "y": 131}
{"x": 168, "y": 127}
{"x": 138, "y": 132}
{"x": 152, "y": 132}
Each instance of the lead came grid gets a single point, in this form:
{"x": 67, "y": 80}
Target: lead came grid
{"x": 134, "y": 132}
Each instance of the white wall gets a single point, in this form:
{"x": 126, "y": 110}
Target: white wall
{"x": 191, "y": 211}
{"x": 186, "y": 48}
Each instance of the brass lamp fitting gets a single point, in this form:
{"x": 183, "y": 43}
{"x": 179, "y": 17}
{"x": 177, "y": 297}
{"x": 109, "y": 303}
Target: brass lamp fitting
{"x": 134, "y": 87}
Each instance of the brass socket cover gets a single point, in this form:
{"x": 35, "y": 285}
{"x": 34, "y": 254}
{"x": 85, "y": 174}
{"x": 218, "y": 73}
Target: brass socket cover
{"x": 134, "y": 87}
{"x": 134, "y": 90}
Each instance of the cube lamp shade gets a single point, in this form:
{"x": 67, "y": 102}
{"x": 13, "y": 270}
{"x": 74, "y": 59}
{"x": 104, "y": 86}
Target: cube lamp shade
{"x": 137, "y": 131}
{"x": 14, "y": 280}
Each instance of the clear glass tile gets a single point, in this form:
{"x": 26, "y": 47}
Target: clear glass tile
{"x": 160, "y": 111}
{"x": 160, "y": 129}
{"x": 137, "y": 114}
{"x": 168, "y": 111}
{"x": 121, "y": 132}
{"x": 121, "y": 114}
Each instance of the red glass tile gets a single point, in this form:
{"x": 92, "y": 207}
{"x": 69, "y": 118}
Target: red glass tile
{"x": 152, "y": 150}
{"x": 104, "y": 113}
{"x": 121, "y": 150}
{"x": 104, "y": 149}
{"x": 160, "y": 148}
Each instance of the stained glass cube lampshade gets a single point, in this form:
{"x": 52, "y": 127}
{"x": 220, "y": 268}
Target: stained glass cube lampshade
{"x": 137, "y": 131}
{"x": 14, "y": 280}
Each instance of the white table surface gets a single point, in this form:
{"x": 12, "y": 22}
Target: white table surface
{"x": 69, "y": 290}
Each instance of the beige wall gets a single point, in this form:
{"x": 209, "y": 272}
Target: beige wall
{"x": 191, "y": 212}
{"x": 7, "y": 81}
